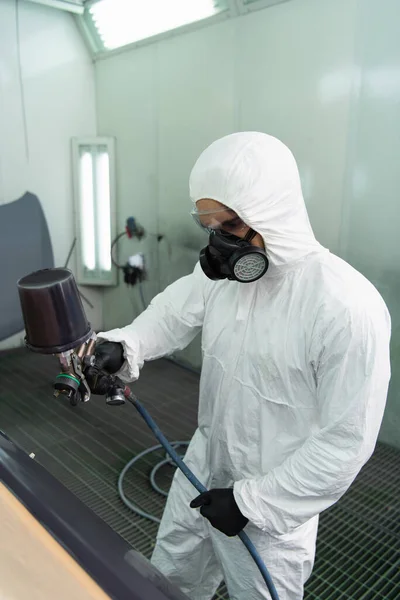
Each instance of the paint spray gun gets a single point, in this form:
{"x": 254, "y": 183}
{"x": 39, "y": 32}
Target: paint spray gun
{"x": 55, "y": 323}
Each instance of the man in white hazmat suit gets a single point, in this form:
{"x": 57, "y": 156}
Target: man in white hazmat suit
{"x": 293, "y": 385}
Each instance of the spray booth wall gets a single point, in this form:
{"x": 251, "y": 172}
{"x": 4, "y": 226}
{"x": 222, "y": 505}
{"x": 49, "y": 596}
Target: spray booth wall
{"x": 44, "y": 101}
{"x": 323, "y": 76}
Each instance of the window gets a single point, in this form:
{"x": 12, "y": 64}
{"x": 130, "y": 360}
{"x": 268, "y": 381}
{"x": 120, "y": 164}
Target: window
{"x": 94, "y": 191}
{"x": 122, "y": 22}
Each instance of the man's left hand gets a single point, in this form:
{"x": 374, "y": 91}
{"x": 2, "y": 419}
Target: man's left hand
{"x": 220, "y": 508}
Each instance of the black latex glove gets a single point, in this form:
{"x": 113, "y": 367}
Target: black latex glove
{"x": 98, "y": 381}
{"x": 220, "y": 508}
{"x": 110, "y": 358}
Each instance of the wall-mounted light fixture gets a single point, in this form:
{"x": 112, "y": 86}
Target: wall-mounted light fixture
{"x": 95, "y": 209}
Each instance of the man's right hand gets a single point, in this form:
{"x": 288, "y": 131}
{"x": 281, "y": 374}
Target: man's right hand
{"x": 109, "y": 357}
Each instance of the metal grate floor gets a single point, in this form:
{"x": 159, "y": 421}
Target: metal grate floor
{"x": 358, "y": 553}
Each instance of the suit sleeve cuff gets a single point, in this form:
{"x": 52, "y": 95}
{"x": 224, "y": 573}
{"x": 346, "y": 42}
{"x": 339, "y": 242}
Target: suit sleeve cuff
{"x": 248, "y": 498}
{"x": 131, "y": 368}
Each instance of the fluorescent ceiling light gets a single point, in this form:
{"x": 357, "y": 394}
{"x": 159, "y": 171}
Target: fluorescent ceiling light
{"x": 122, "y": 22}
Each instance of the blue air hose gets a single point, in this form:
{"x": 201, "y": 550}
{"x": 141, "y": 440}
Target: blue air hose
{"x": 197, "y": 484}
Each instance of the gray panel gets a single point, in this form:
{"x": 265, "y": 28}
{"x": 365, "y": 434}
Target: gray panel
{"x": 25, "y": 246}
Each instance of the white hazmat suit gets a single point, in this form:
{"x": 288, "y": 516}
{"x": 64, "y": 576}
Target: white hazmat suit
{"x": 293, "y": 385}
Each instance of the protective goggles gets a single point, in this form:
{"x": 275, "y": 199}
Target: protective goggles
{"x": 222, "y": 219}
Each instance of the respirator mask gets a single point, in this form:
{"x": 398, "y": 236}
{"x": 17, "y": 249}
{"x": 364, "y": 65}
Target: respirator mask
{"x": 227, "y": 255}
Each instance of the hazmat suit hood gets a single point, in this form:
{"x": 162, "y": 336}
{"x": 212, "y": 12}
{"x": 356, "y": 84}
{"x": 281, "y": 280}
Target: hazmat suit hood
{"x": 256, "y": 175}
